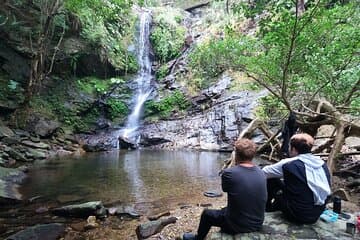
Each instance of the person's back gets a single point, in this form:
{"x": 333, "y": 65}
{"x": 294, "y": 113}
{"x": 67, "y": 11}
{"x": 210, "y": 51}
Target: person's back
{"x": 298, "y": 195}
{"x": 245, "y": 185}
{"x": 246, "y": 189}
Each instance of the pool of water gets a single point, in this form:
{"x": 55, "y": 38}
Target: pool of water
{"x": 132, "y": 177}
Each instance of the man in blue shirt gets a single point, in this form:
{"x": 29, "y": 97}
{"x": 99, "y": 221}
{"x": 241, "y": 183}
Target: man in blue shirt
{"x": 302, "y": 193}
{"x": 245, "y": 185}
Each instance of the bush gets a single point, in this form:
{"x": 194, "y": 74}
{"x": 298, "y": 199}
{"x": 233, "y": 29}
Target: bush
{"x": 164, "y": 107}
{"x": 167, "y": 38}
{"x": 211, "y": 59}
{"x": 116, "y": 108}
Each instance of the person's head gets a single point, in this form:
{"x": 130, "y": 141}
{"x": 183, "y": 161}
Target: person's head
{"x": 245, "y": 150}
{"x": 300, "y": 144}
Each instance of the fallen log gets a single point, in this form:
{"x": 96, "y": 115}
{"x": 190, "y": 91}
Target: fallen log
{"x": 189, "y": 9}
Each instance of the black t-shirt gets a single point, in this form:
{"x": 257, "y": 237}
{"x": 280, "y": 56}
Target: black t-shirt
{"x": 247, "y": 194}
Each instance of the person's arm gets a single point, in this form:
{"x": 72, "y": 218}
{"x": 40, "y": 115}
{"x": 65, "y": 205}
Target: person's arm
{"x": 276, "y": 170}
{"x": 225, "y": 180}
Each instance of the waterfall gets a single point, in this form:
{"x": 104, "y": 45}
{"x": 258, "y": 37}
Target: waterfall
{"x": 143, "y": 79}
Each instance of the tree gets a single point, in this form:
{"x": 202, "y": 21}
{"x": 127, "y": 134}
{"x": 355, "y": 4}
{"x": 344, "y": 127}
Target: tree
{"x": 310, "y": 63}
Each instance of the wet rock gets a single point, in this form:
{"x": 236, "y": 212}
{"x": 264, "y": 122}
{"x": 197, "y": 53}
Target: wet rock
{"x": 126, "y": 143}
{"x": 51, "y": 231}
{"x": 17, "y": 155}
{"x": 10, "y": 140}
{"x": 212, "y": 194}
{"x": 213, "y": 128}
{"x": 21, "y": 133}
{"x": 81, "y": 210}
{"x": 5, "y": 132}
{"x": 148, "y": 229}
{"x": 78, "y": 226}
{"x": 127, "y": 211}
{"x": 36, "y": 154}
{"x": 102, "y": 141}
{"x": 40, "y": 145}
{"x": 9, "y": 180}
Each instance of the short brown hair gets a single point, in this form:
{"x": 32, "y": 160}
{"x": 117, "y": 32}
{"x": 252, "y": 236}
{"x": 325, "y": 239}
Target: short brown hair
{"x": 245, "y": 150}
{"x": 302, "y": 142}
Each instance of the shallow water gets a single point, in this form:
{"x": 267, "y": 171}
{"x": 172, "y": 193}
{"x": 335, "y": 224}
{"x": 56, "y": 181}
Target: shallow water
{"x": 145, "y": 178}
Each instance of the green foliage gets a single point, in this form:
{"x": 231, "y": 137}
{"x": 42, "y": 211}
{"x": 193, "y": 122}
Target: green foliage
{"x": 93, "y": 85}
{"x": 116, "y": 108}
{"x": 211, "y": 59}
{"x": 168, "y": 37}
{"x": 171, "y": 103}
{"x": 250, "y": 9}
{"x": 270, "y": 107}
{"x": 162, "y": 72}
{"x": 323, "y": 60}
{"x": 107, "y": 24}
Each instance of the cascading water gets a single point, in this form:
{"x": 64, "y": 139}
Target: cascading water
{"x": 143, "y": 79}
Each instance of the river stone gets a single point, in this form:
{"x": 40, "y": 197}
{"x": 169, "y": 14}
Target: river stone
{"x": 17, "y": 155}
{"x": 51, "y": 231}
{"x": 212, "y": 194}
{"x": 128, "y": 211}
{"x": 150, "y": 228}
{"x": 40, "y": 145}
{"x": 81, "y": 210}
{"x": 276, "y": 227}
{"x": 6, "y": 132}
{"x": 35, "y": 154}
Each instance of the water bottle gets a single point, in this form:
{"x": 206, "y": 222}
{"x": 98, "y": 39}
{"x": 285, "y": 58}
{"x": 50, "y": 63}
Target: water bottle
{"x": 337, "y": 204}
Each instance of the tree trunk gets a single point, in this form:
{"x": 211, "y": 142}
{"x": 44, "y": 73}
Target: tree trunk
{"x": 338, "y": 143}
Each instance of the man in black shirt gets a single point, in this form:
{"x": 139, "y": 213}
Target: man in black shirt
{"x": 245, "y": 185}
{"x": 305, "y": 185}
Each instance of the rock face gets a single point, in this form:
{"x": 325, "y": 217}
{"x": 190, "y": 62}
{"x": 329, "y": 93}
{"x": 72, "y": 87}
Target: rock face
{"x": 51, "y": 231}
{"x": 275, "y": 227}
{"x": 82, "y": 210}
{"x": 213, "y": 129}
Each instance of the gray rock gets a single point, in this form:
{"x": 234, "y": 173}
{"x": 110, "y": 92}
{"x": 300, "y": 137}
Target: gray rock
{"x": 81, "y": 210}
{"x": 51, "y": 231}
{"x": 125, "y": 210}
{"x": 9, "y": 185}
{"x": 6, "y": 132}
{"x": 45, "y": 128}
{"x": 17, "y": 155}
{"x": 36, "y": 154}
{"x": 276, "y": 227}
{"x": 150, "y": 228}
{"x": 40, "y": 145}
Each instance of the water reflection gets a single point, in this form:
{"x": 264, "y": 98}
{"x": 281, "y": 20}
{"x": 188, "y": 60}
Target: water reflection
{"x": 126, "y": 176}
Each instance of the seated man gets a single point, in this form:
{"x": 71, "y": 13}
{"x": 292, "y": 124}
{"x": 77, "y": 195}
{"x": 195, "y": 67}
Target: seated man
{"x": 245, "y": 185}
{"x": 305, "y": 185}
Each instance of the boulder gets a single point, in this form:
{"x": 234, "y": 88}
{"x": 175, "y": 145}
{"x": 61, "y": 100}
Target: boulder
{"x": 17, "y": 155}
{"x": 50, "y": 231}
{"x": 45, "y": 128}
{"x": 127, "y": 143}
{"x": 276, "y": 227}
{"x": 83, "y": 210}
{"x": 150, "y": 228}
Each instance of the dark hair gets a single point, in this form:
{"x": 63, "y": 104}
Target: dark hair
{"x": 301, "y": 145}
{"x": 245, "y": 150}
